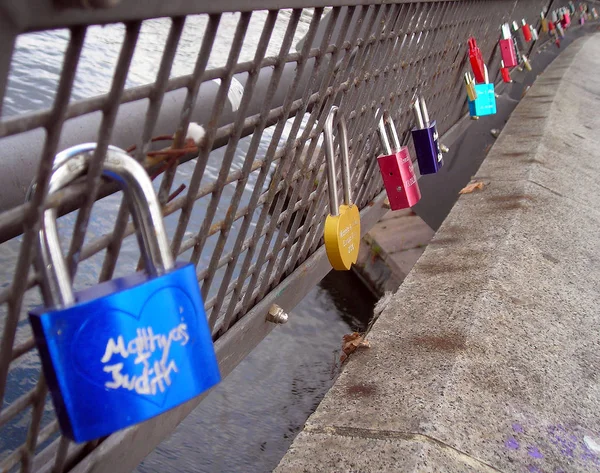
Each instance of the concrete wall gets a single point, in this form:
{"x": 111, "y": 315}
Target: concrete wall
{"x": 487, "y": 358}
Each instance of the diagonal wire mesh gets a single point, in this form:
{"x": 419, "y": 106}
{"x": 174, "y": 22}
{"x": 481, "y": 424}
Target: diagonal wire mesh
{"x": 245, "y": 198}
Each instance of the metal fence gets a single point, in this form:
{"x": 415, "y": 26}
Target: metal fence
{"x": 257, "y": 239}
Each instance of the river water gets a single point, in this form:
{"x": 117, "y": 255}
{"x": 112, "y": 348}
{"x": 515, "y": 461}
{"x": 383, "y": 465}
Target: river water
{"x": 246, "y": 423}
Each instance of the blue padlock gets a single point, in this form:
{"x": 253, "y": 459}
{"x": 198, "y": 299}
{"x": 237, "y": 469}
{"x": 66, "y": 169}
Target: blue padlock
{"x": 485, "y": 102}
{"x": 128, "y": 349}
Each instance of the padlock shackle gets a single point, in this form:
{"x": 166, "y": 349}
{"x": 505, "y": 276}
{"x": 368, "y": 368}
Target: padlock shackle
{"x": 418, "y": 114}
{"x": 385, "y": 142}
{"x": 143, "y": 204}
{"x": 334, "y": 207}
{"x": 387, "y": 121}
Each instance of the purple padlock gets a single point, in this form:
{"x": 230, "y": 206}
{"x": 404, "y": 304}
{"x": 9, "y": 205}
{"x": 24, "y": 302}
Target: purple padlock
{"x": 425, "y": 138}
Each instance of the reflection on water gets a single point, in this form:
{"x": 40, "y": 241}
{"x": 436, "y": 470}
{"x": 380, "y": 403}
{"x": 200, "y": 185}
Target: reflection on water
{"x": 246, "y": 423}
{"x": 38, "y": 57}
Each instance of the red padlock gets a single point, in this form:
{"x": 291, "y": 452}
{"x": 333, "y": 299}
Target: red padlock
{"x": 476, "y": 61}
{"x": 526, "y": 31}
{"x": 396, "y": 169}
{"x": 505, "y": 73}
{"x": 507, "y": 47}
{"x": 551, "y": 26}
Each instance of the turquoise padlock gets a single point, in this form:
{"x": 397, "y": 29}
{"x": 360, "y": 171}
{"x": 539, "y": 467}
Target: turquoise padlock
{"x": 485, "y": 102}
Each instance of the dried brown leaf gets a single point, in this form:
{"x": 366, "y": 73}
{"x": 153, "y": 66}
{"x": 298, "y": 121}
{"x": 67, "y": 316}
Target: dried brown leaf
{"x": 471, "y": 187}
{"x": 352, "y": 341}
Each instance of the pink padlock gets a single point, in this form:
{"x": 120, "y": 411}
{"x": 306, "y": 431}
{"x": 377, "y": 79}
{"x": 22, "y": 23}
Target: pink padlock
{"x": 397, "y": 169}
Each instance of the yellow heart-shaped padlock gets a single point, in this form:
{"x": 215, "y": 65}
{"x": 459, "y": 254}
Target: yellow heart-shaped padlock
{"x": 342, "y": 227}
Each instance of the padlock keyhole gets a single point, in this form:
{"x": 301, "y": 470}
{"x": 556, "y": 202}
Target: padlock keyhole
{"x": 391, "y": 173}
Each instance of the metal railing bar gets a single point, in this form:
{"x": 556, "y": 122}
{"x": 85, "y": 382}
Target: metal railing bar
{"x": 34, "y": 427}
{"x": 17, "y": 406}
{"x": 324, "y": 104}
{"x": 444, "y": 58}
{"x": 316, "y": 203}
{"x": 228, "y": 159}
{"x": 229, "y": 256}
{"x": 188, "y": 106}
{"x": 316, "y": 235}
{"x": 333, "y": 16}
{"x": 7, "y": 44}
{"x": 61, "y": 449}
{"x": 48, "y": 17}
{"x": 61, "y": 454}
{"x": 273, "y": 147}
{"x": 109, "y": 115}
{"x": 361, "y": 67}
{"x": 159, "y": 87}
{"x": 220, "y": 326}
{"x": 11, "y": 460}
{"x": 24, "y": 347}
{"x": 15, "y": 457}
{"x": 48, "y": 431}
{"x": 33, "y": 218}
{"x": 363, "y": 63}
{"x": 430, "y": 60}
{"x": 114, "y": 247}
{"x": 103, "y": 242}
{"x": 364, "y": 117}
{"x": 255, "y": 294}
{"x": 204, "y": 149}
{"x": 7, "y": 293}
{"x": 304, "y": 188}
{"x": 211, "y": 302}
{"x": 370, "y": 169}
{"x": 156, "y": 100}
{"x": 14, "y": 217}
{"x": 190, "y": 242}
{"x": 32, "y": 120}
{"x": 256, "y": 197}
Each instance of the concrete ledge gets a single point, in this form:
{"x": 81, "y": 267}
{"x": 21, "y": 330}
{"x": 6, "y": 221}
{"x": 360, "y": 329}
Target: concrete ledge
{"x": 390, "y": 249}
{"x": 486, "y": 359}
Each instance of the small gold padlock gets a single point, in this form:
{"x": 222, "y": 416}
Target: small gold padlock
{"x": 342, "y": 227}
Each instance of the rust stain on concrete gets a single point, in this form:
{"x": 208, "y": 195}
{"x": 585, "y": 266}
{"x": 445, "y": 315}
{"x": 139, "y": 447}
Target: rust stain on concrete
{"x": 443, "y": 342}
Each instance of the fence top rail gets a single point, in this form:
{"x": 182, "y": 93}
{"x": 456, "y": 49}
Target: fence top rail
{"x": 35, "y": 15}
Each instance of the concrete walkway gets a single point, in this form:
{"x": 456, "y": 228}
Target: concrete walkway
{"x": 488, "y": 356}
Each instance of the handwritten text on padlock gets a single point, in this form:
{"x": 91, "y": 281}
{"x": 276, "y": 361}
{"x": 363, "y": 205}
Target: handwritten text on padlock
{"x": 143, "y": 346}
